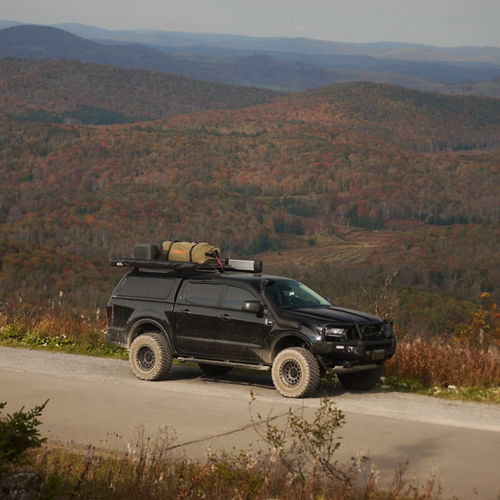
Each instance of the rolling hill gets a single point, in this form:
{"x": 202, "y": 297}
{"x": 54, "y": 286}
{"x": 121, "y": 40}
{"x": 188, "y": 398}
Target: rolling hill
{"x": 489, "y": 88}
{"x": 279, "y": 64}
{"x": 62, "y": 91}
{"x": 369, "y": 180}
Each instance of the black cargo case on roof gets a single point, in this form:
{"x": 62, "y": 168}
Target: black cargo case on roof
{"x": 146, "y": 251}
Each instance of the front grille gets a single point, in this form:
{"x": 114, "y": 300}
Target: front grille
{"x": 372, "y": 332}
{"x": 351, "y": 333}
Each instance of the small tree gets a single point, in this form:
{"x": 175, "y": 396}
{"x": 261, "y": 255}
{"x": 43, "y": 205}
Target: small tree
{"x": 483, "y": 328}
{"x": 18, "y": 433}
{"x": 306, "y": 449}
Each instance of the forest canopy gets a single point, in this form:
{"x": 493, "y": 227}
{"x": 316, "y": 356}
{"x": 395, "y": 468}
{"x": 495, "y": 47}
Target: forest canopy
{"x": 371, "y": 180}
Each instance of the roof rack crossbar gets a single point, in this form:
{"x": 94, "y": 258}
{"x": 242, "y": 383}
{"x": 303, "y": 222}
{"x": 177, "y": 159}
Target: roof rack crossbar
{"x": 252, "y": 266}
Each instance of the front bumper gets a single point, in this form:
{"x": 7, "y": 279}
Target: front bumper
{"x": 353, "y": 353}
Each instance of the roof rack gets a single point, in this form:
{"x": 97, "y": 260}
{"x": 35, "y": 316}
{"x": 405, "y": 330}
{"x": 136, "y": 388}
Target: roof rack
{"x": 249, "y": 266}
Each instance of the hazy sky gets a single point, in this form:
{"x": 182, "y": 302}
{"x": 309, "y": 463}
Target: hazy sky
{"x": 434, "y": 22}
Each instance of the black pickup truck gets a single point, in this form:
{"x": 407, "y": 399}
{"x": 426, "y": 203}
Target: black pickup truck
{"x": 222, "y": 319}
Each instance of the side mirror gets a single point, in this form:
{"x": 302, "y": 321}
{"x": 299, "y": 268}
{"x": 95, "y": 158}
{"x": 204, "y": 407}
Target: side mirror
{"x": 253, "y": 306}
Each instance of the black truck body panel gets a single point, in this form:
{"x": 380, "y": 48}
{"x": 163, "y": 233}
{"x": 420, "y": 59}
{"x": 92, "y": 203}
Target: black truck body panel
{"x": 205, "y": 316}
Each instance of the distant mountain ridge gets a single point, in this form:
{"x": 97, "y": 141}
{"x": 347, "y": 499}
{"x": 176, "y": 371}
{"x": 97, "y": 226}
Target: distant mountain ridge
{"x": 233, "y": 61}
{"x": 54, "y": 43}
{"x": 64, "y": 91}
{"x": 394, "y": 50}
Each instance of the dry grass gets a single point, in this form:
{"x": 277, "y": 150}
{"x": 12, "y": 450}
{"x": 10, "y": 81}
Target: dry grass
{"x": 56, "y": 328}
{"x": 147, "y": 470}
{"x": 57, "y": 321}
{"x": 443, "y": 362}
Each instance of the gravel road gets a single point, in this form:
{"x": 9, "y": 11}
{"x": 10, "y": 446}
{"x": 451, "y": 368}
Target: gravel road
{"x": 98, "y": 401}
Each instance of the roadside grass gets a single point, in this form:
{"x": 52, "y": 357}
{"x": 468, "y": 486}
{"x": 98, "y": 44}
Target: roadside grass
{"x": 441, "y": 367}
{"x": 297, "y": 460}
{"x": 452, "y": 392}
{"x": 59, "y": 331}
{"x": 445, "y": 368}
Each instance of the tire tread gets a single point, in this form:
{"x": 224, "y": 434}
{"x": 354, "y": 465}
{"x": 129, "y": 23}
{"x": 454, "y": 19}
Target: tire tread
{"x": 159, "y": 344}
{"x": 309, "y": 366}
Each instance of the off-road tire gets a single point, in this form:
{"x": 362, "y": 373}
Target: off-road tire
{"x": 150, "y": 356}
{"x": 360, "y": 381}
{"x": 295, "y": 372}
{"x": 214, "y": 370}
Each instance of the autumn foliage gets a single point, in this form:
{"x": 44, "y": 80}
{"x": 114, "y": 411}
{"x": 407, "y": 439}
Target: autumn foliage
{"x": 368, "y": 180}
{"x": 483, "y": 328}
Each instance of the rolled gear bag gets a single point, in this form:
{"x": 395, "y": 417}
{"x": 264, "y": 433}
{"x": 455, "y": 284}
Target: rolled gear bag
{"x": 188, "y": 251}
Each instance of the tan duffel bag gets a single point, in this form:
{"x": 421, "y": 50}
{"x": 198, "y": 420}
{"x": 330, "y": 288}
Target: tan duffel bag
{"x": 188, "y": 251}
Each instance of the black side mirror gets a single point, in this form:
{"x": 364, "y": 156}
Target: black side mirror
{"x": 253, "y": 306}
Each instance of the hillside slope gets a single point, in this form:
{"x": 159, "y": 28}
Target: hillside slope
{"x": 371, "y": 115}
{"x": 375, "y": 173}
{"x": 71, "y": 91}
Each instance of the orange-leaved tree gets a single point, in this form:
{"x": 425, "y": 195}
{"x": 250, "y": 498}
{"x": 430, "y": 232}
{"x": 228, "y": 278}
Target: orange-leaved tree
{"x": 484, "y": 325}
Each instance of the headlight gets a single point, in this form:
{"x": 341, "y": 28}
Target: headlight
{"x": 334, "y": 331}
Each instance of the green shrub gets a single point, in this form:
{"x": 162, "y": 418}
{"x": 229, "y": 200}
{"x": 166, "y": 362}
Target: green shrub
{"x": 18, "y": 433}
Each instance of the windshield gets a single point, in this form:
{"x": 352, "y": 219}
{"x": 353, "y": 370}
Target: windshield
{"x": 294, "y": 295}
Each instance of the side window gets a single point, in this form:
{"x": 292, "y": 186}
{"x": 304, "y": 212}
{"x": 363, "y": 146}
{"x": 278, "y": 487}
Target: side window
{"x": 203, "y": 294}
{"x": 236, "y": 297}
{"x": 146, "y": 287}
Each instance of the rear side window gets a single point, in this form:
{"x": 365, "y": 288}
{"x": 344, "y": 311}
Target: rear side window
{"x": 147, "y": 287}
{"x": 236, "y": 297}
{"x": 203, "y": 294}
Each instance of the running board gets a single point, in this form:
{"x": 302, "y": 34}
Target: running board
{"x": 353, "y": 369}
{"x": 223, "y": 363}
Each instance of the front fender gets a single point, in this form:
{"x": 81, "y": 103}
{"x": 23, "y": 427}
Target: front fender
{"x": 284, "y": 339}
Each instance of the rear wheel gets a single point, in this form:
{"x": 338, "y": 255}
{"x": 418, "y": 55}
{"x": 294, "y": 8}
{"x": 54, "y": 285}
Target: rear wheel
{"x": 295, "y": 372}
{"x": 150, "y": 356}
{"x": 361, "y": 381}
{"x": 214, "y": 370}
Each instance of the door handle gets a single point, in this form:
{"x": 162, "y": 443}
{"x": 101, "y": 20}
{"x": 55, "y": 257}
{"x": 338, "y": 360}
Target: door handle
{"x": 224, "y": 316}
{"x": 186, "y": 311}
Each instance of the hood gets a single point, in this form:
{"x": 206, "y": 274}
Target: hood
{"x": 331, "y": 314}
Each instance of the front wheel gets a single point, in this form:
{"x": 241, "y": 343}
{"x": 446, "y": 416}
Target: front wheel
{"x": 150, "y": 356}
{"x": 295, "y": 372}
{"x": 361, "y": 381}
